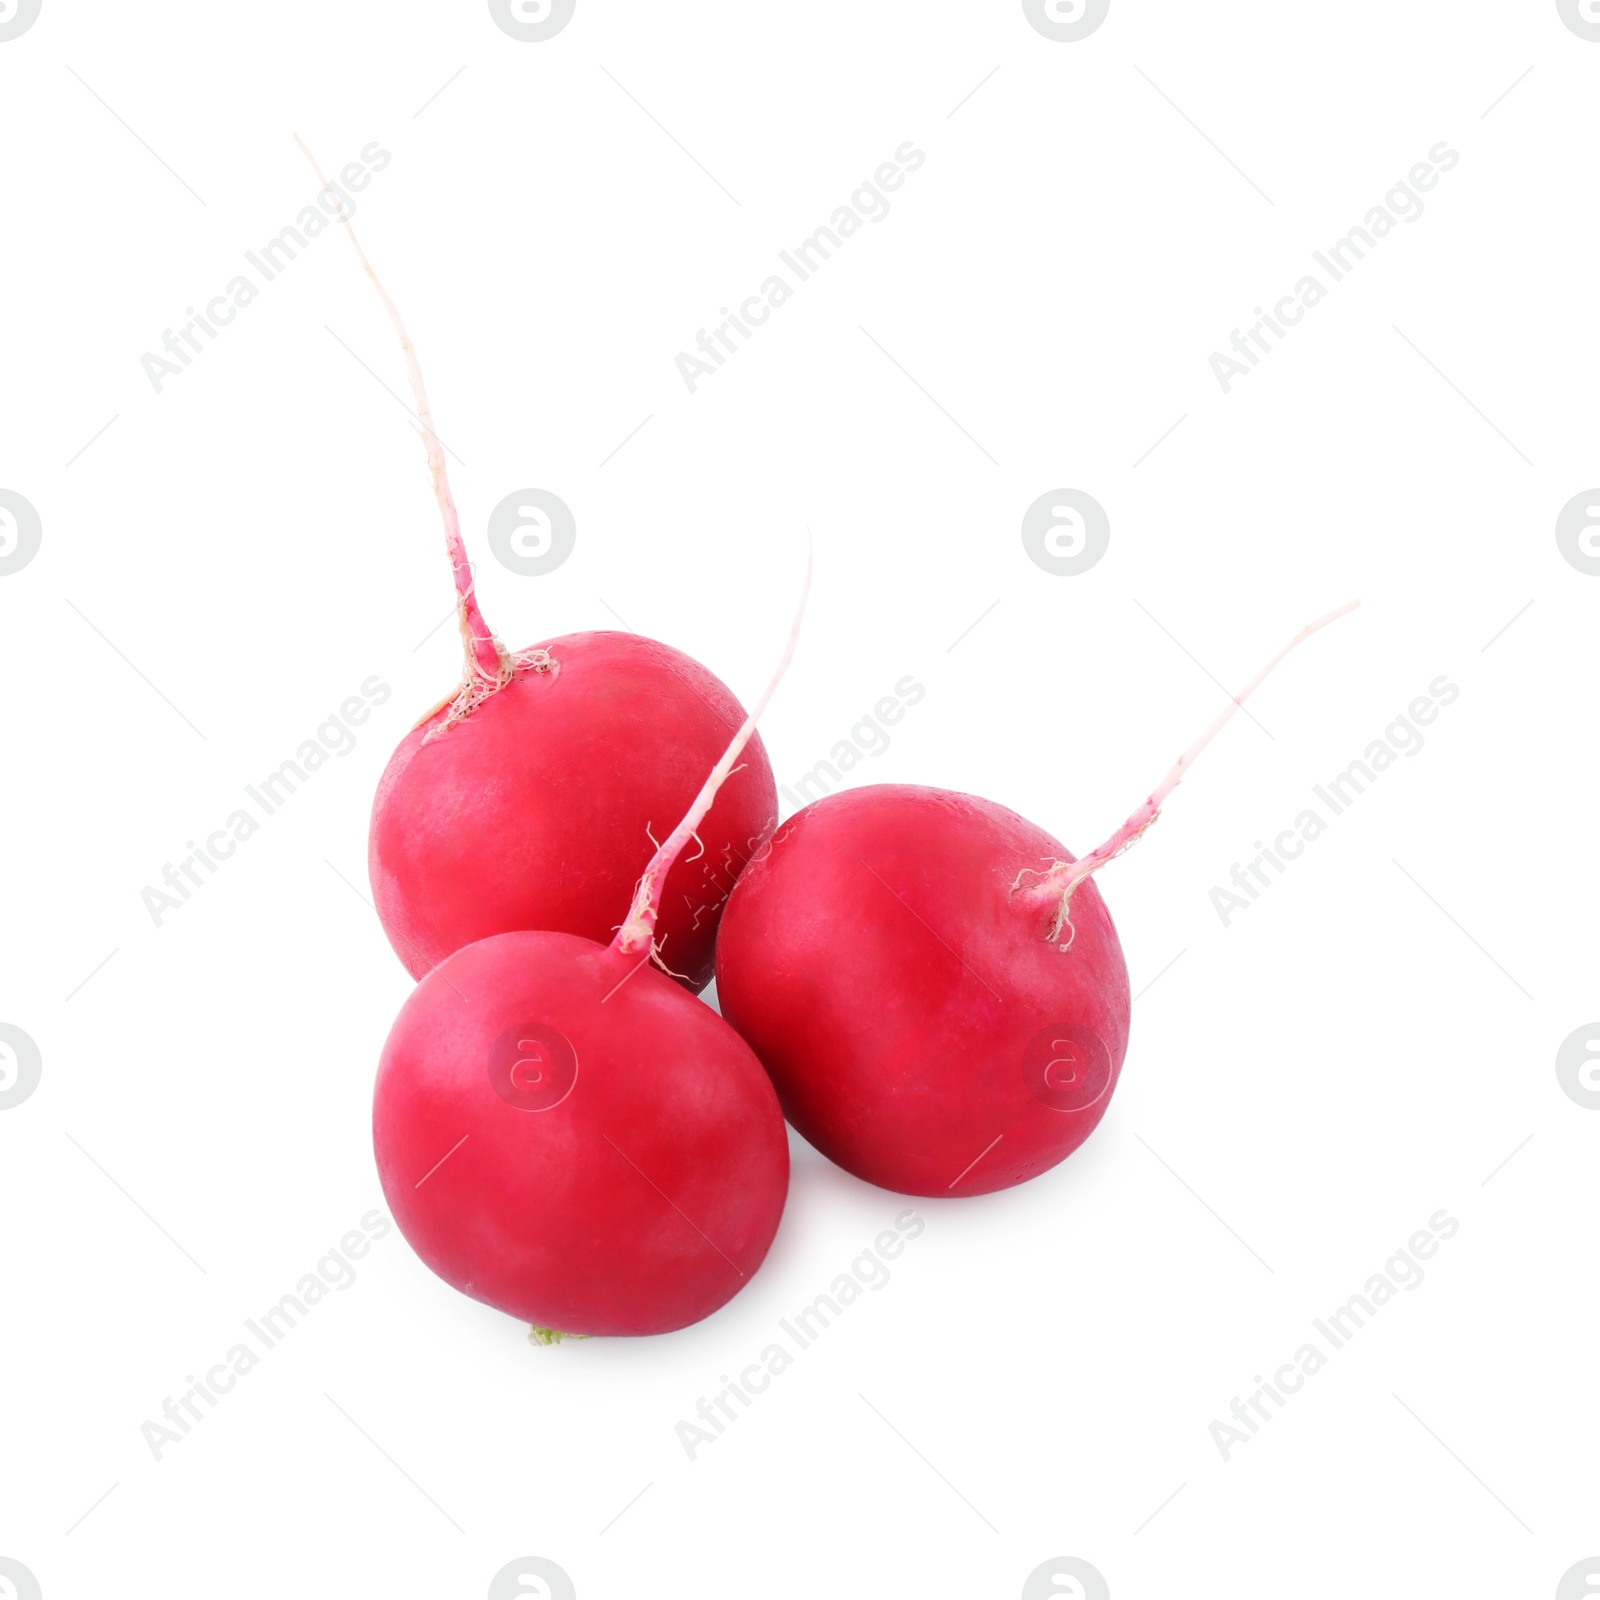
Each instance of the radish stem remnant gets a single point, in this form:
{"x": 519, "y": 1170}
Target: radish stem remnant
{"x": 489, "y": 665}
{"x": 638, "y": 929}
{"x": 1058, "y": 883}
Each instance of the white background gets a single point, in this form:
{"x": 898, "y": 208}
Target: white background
{"x": 1367, "y": 1044}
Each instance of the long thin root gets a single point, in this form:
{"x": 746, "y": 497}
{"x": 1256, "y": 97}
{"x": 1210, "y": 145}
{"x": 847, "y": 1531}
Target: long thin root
{"x": 1055, "y": 887}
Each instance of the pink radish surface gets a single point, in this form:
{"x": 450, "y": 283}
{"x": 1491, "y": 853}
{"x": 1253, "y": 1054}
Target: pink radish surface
{"x": 933, "y": 983}
{"x": 564, "y": 1133}
{"x": 533, "y": 796}
{"x": 909, "y": 1011}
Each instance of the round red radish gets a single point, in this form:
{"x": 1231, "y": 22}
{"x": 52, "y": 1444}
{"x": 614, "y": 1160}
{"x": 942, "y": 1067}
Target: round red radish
{"x": 531, "y": 796}
{"x": 565, "y": 1134}
{"x": 920, "y": 1028}
{"x": 538, "y": 809}
{"x": 934, "y": 983}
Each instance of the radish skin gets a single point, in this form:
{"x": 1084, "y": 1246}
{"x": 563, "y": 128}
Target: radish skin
{"x": 540, "y": 809}
{"x": 639, "y": 1201}
{"x": 876, "y": 962}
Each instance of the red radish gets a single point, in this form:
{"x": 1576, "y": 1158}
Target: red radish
{"x": 563, "y": 1133}
{"x": 527, "y": 798}
{"x": 933, "y": 983}
{"x": 537, "y": 810}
